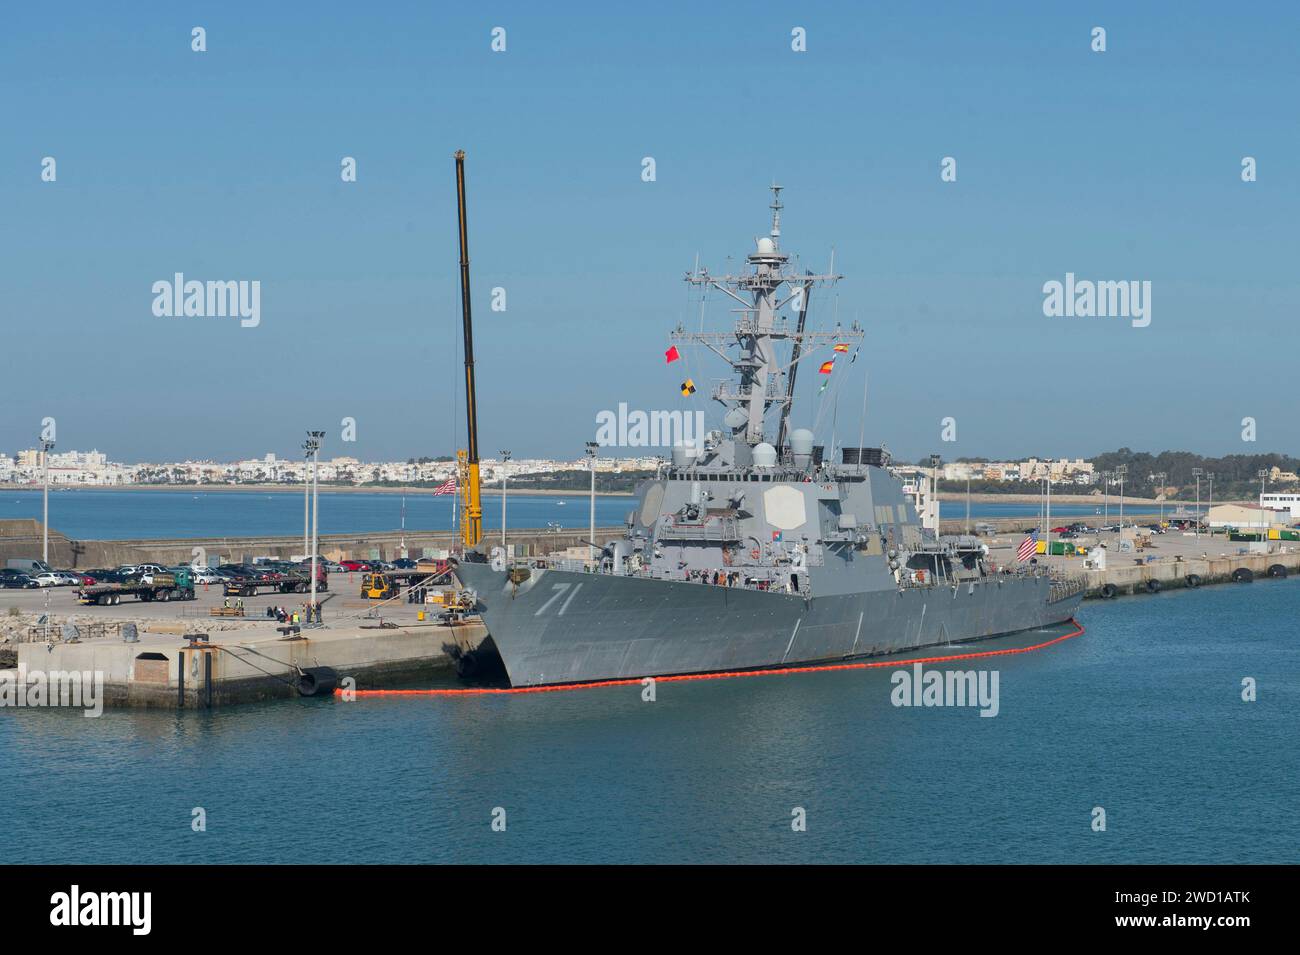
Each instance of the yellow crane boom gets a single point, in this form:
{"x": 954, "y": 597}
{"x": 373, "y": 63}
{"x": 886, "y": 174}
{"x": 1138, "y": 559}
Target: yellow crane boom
{"x": 471, "y": 505}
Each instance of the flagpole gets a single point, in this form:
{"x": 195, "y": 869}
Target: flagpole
{"x": 1048, "y": 552}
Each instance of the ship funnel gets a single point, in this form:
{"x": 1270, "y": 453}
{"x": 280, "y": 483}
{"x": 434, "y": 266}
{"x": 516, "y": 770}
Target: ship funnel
{"x": 801, "y": 447}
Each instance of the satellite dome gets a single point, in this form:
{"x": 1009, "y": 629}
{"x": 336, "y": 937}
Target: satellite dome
{"x": 766, "y": 246}
{"x": 764, "y": 455}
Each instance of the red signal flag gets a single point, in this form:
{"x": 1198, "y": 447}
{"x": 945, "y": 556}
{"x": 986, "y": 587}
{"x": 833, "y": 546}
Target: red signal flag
{"x": 672, "y": 354}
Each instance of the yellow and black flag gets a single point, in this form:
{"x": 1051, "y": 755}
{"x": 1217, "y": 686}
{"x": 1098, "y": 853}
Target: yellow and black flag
{"x": 688, "y": 387}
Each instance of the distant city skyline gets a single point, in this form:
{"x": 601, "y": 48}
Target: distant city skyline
{"x": 225, "y": 166}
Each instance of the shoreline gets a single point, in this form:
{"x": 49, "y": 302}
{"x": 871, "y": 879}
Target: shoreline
{"x": 298, "y": 489}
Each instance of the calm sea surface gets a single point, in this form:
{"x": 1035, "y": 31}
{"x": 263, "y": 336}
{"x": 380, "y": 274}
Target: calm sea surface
{"x": 118, "y": 514}
{"x": 1142, "y": 715}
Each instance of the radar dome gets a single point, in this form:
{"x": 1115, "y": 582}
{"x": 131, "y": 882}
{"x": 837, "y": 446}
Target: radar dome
{"x": 766, "y": 246}
{"x": 801, "y": 447}
{"x": 684, "y": 454}
{"x": 764, "y": 455}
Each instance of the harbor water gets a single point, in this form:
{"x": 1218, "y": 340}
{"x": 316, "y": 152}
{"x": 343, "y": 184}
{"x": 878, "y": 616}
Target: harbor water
{"x": 108, "y": 514}
{"x": 1142, "y": 716}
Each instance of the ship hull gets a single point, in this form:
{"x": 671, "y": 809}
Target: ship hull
{"x": 569, "y": 627}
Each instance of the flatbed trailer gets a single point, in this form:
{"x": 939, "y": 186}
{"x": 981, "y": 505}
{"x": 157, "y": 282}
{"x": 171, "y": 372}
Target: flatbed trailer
{"x": 381, "y": 585}
{"x": 291, "y": 584}
{"x": 107, "y": 595}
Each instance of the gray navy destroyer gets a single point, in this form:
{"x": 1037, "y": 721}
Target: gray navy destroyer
{"x": 752, "y": 550}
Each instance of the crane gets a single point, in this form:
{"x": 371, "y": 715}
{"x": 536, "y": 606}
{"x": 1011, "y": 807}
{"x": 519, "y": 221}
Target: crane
{"x": 471, "y": 505}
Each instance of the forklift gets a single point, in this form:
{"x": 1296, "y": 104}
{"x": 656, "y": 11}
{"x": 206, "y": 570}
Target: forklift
{"x": 378, "y": 586}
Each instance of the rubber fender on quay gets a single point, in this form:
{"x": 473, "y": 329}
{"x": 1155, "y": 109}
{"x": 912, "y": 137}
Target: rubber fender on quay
{"x": 1242, "y": 575}
{"x": 317, "y": 681}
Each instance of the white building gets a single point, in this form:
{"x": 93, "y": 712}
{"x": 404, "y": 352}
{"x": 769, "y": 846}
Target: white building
{"x": 1287, "y": 502}
{"x": 1245, "y": 516}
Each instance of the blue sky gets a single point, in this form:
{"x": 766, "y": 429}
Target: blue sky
{"x": 225, "y": 165}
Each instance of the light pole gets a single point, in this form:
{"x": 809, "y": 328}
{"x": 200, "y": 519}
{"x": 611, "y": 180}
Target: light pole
{"x": 1196, "y": 473}
{"x": 306, "y": 498}
{"x": 314, "y": 439}
{"x": 1210, "y": 477}
{"x": 592, "y": 446}
{"x": 932, "y": 499}
{"x": 505, "y": 457}
{"x": 1105, "y": 505}
{"x": 1121, "y": 472}
{"x": 46, "y": 447}
{"x": 968, "y": 502}
{"x": 1158, "y": 479}
{"x": 1262, "y": 474}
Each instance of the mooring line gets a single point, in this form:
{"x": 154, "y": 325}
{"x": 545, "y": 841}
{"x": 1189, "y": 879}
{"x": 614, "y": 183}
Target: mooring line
{"x": 682, "y": 677}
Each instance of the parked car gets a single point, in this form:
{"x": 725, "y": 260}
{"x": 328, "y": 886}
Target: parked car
{"x": 985, "y": 529}
{"x": 352, "y": 566}
{"x": 207, "y": 575}
{"x": 50, "y": 579}
{"x": 18, "y": 581}
{"x": 93, "y": 576}
{"x": 304, "y": 566}
{"x": 405, "y": 563}
{"x": 146, "y": 571}
{"x": 27, "y": 565}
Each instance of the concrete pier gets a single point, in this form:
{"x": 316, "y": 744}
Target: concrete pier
{"x": 166, "y": 670}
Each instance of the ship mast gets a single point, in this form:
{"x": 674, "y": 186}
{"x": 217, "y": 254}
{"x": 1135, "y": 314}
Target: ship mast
{"x": 758, "y": 330}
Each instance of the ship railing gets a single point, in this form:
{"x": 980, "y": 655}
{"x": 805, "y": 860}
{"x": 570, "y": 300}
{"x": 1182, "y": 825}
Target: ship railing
{"x": 909, "y": 582}
{"x": 1065, "y": 586}
{"x": 739, "y": 578}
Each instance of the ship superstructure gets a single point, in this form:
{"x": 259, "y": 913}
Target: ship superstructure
{"x": 753, "y": 548}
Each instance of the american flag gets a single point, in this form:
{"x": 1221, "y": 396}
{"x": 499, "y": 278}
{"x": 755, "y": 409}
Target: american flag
{"x": 1027, "y": 546}
{"x": 447, "y": 487}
